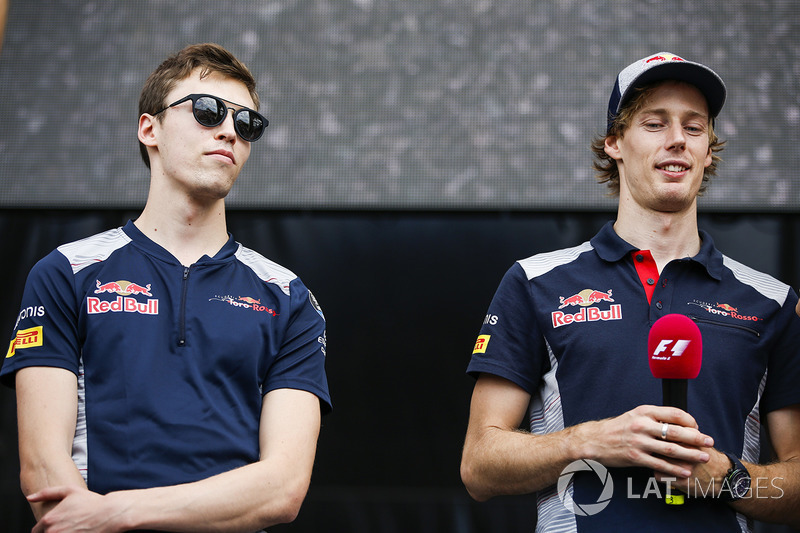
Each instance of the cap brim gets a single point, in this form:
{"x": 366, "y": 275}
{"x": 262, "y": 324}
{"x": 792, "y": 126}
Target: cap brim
{"x": 711, "y": 85}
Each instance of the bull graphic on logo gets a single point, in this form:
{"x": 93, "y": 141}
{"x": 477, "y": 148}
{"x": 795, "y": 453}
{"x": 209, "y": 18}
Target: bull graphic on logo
{"x": 125, "y": 288}
{"x": 585, "y": 297}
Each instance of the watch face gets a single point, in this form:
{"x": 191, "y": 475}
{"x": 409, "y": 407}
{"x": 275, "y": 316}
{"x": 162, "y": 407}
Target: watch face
{"x": 739, "y": 483}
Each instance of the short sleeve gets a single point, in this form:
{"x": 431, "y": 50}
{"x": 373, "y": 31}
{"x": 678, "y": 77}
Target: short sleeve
{"x": 510, "y": 344}
{"x": 300, "y": 363}
{"x": 46, "y": 330}
{"x": 783, "y": 371}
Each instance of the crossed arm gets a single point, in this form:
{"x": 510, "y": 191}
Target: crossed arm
{"x": 775, "y": 488}
{"x": 248, "y": 498}
{"x": 500, "y": 459}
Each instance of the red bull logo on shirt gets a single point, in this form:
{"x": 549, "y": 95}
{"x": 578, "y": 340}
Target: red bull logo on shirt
{"x": 124, "y": 303}
{"x": 585, "y": 299}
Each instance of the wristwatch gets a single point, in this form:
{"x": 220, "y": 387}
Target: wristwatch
{"x": 736, "y": 483}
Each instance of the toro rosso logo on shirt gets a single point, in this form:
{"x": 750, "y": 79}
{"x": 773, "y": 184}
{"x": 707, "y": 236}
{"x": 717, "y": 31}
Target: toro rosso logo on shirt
{"x": 724, "y": 309}
{"x": 125, "y": 301}
{"x": 584, "y": 299}
{"x": 245, "y": 302}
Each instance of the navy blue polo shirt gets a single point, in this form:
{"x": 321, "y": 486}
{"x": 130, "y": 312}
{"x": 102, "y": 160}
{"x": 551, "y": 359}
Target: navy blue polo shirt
{"x": 570, "y": 327}
{"x": 172, "y": 361}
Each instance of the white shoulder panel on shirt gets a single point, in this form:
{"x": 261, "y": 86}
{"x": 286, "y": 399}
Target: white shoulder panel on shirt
{"x": 540, "y": 264}
{"x": 94, "y": 249}
{"x": 265, "y": 269}
{"x": 763, "y": 283}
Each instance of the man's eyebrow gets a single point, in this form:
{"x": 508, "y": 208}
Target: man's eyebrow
{"x": 662, "y": 112}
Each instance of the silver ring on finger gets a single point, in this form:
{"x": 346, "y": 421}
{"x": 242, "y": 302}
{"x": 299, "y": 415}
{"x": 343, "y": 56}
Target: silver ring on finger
{"x": 664, "y": 427}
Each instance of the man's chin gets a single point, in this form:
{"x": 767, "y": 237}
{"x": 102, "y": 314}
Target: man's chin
{"x": 211, "y": 195}
{"x": 675, "y": 204}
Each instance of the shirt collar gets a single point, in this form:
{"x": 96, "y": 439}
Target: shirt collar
{"x": 224, "y": 254}
{"x": 612, "y": 248}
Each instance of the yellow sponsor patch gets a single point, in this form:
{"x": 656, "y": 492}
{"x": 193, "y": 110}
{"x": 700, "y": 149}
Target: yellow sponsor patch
{"x": 481, "y": 344}
{"x": 26, "y": 338}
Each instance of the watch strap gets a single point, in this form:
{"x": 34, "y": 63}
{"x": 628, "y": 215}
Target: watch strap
{"x": 737, "y": 477}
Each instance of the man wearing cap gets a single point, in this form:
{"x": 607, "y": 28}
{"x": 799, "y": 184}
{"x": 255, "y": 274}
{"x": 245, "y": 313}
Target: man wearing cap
{"x": 565, "y": 342}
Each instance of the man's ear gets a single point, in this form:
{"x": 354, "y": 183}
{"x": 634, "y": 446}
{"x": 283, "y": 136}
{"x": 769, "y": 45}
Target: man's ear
{"x": 611, "y": 147}
{"x": 146, "y": 130}
{"x": 709, "y": 158}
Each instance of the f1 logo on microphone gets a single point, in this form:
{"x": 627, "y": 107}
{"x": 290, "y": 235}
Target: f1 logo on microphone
{"x": 678, "y": 349}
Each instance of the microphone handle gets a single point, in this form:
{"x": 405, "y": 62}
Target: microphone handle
{"x": 673, "y": 392}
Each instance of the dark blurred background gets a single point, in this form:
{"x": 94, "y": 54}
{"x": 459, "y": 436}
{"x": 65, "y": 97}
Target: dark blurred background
{"x": 393, "y": 104}
{"x": 415, "y": 151}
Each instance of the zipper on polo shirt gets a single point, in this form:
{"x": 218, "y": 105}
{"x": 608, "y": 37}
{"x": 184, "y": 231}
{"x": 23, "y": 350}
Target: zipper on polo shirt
{"x": 182, "y": 317}
{"x": 724, "y": 324}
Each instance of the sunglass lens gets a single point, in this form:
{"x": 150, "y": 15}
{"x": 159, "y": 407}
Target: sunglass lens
{"x": 209, "y": 111}
{"x": 249, "y": 125}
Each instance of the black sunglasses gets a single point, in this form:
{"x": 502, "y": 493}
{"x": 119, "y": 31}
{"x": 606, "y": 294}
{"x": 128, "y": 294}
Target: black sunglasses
{"x": 211, "y": 111}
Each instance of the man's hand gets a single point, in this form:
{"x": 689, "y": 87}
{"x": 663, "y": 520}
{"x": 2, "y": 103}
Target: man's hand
{"x": 77, "y": 509}
{"x": 635, "y": 438}
{"x": 500, "y": 459}
{"x": 705, "y": 479}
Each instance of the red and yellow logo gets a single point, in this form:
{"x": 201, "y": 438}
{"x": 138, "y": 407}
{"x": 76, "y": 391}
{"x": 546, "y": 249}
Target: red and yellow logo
{"x": 26, "y": 338}
{"x": 663, "y": 57}
{"x": 481, "y": 344}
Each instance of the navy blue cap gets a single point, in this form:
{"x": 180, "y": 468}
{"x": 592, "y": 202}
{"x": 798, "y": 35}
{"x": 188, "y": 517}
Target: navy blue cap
{"x": 666, "y": 66}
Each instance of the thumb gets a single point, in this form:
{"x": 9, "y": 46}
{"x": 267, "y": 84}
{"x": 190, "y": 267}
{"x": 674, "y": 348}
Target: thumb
{"x": 50, "y": 494}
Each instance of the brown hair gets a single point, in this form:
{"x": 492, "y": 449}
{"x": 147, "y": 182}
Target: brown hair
{"x": 210, "y": 57}
{"x": 606, "y": 166}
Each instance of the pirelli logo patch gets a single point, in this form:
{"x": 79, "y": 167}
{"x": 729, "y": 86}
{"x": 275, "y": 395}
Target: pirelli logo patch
{"x": 26, "y": 338}
{"x": 481, "y": 344}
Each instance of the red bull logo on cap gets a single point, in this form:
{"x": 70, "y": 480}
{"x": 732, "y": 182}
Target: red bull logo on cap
{"x": 584, "y": 299}
{"x": 664, "y": 56}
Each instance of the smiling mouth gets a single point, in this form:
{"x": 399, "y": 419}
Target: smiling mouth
{"x": 674, "y": 168}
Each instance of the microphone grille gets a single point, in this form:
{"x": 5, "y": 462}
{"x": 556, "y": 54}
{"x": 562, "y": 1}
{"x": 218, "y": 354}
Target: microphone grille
{"x": 675, "y": 347}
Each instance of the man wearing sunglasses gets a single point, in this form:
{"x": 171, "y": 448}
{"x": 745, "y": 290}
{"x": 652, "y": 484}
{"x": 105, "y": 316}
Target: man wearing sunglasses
{"x": 167, "y": 377}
